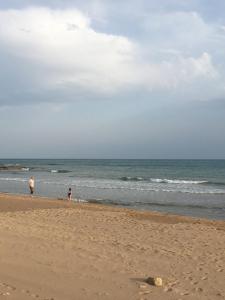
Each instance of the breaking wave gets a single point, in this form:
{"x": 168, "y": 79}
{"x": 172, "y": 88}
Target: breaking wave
{"x": 127, "y": 178}
{"x": 60, "y": 171}
{"x": 177, "y": 181}
{"x": 159, "y": 180}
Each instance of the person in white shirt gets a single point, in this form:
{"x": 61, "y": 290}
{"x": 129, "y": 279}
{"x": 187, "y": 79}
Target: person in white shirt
{"x": 31, "y": 185}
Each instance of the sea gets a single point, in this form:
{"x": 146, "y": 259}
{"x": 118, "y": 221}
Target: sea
{"x": 185, "y": 187}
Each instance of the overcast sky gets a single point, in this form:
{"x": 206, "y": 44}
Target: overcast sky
{"x": 112, "y": 79}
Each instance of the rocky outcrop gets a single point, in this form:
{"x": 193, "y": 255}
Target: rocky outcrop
{"x": 11, "y": 167}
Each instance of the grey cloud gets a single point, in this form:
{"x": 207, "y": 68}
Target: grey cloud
{"x": 22, "y": 77}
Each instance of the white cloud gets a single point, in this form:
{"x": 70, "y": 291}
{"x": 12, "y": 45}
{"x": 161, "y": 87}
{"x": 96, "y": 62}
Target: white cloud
{"x": 174, "y": 74}
{"x": 67, "y": 48}
{"x": 64, "y": 51}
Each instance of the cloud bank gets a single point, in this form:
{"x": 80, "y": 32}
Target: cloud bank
{"x": 48, "y": 52}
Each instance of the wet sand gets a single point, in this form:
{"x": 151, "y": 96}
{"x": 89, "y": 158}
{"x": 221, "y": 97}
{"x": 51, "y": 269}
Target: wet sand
{"x": 52, "y": 250}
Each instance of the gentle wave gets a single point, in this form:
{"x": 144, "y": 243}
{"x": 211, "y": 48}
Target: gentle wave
{"x": 159, "y": 180}
{"x": 185, "y": 205}
{"x": 64, "y": 171}
{"x": 60, "y": 171}
{"x": 215, "y": 183}
{"x": 153, "y": 203}
{"x": 116, "y": 185}
{"x": 13, "y": 179}
{"x": 127, "y": 178}
{"x": 177, "y": 181}
{"x": 17, "y": 168}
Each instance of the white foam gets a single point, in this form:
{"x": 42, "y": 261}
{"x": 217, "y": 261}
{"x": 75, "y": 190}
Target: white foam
{"x": 177, "y": 181}
{"x": 13, "y": 179}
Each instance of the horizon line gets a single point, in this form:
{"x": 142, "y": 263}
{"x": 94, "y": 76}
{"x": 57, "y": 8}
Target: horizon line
{"x": 46, "y": 158}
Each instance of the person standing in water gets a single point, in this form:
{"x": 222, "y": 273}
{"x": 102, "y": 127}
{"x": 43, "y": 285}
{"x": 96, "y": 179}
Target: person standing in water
{"x": 69, "y": 195}
{"x": 31, "y": 185}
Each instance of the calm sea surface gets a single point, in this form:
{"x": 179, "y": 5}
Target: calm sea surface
{"x": 187, "y": 187}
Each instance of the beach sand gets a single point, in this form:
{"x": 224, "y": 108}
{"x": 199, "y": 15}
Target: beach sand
{"x": 52, "y": 250}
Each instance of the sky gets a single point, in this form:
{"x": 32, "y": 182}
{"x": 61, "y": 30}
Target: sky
{"x": 112, "y": 79}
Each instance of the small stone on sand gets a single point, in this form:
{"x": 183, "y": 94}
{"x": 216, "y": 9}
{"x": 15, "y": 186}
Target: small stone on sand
{"x": 156, "y": 281}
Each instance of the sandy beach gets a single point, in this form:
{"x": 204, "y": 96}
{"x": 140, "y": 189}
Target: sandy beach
{"x": 52, "y": 250}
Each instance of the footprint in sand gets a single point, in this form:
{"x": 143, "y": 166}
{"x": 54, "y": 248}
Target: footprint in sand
{"x": 7, "y": 289}
{"x": 25, "y": 291}
{"x": 33, "y": 295}
{"x": 144, "y": 291}
{"x": 194, "y": 282}
{"x": 8, "y": 286}
{"x": 184, "y": 293}
{"x": 219, "y": 270}
{"x": 204, "y": 278}
{"x": 4, "y": 294}
{"x": 168, "y": 289}
{"x": 199, "y": 289}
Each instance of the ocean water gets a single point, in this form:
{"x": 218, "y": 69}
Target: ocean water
{"x": 186, "y": 187}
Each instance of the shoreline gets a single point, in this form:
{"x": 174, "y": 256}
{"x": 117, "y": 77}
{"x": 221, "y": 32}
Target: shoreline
{"x": 51, "y": 202}
{"x": 52, "y": 250}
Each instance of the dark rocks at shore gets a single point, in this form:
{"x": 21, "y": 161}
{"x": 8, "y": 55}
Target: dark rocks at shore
{"x": 12, "y": 168}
